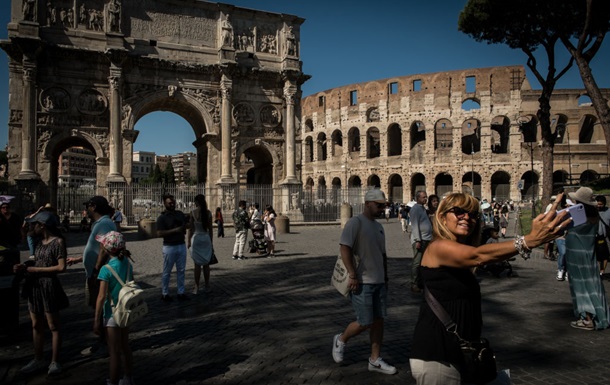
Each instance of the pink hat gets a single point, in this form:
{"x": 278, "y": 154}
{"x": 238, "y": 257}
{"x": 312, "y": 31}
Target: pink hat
{"x": 112, "y": 241}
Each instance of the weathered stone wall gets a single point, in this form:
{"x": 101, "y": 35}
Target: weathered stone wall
{"x": 415, "y": 132}
{"x": 83, "y": 73}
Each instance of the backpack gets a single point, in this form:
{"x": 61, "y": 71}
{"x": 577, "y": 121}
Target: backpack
{"x": 130, "y": 306}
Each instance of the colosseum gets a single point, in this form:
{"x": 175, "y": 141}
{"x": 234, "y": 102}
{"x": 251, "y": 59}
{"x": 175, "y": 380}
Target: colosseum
{"x": 447, "y": 131}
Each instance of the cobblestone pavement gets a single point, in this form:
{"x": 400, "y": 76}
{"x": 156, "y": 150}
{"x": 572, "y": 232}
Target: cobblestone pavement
{"x": 271, "y": 321}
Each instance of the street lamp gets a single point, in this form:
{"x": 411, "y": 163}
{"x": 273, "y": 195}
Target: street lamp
{"x": 472, "y": 166}
{"x": 567, "y": 132}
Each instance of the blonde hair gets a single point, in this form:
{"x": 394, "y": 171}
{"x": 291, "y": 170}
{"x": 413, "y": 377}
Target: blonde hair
{"x": 461, "y": 200}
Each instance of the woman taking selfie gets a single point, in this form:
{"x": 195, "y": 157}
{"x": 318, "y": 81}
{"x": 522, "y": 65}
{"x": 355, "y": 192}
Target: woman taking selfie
{"x": 446, "y": 271}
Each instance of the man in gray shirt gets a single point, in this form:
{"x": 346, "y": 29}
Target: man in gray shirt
{"x": 363, "y": 252}
{"x": 421, "y": 235}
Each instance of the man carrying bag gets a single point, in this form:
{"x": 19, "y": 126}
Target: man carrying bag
{"x": 364, "y": 238}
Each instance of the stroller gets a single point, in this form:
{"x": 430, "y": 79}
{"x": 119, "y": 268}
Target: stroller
{"x": 258, "y": 244}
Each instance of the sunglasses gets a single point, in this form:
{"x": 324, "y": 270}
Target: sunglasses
{"x": 460, "y": 212}
{"x": 380, "y": 205}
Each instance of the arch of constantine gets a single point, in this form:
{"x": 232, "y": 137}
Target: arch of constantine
{"x": 83, "y": 72}
{"x": 449, "y": 131}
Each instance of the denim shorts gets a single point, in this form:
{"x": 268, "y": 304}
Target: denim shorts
{"x": 369, "y": 302}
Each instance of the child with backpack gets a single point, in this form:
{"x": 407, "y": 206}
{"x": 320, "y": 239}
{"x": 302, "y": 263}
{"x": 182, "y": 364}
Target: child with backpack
{"x": 113, "y": 243}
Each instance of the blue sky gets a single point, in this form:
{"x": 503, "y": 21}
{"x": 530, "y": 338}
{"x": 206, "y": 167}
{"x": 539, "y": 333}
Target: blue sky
{"x": 345, "y": 42}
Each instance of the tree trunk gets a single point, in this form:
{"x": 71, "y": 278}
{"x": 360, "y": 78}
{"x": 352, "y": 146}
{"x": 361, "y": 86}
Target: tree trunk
{"x": 599, "y": 102}
{"x": 548, "y": 142}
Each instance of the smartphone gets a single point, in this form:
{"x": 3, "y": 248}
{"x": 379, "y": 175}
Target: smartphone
{"x": 577, "y": 212}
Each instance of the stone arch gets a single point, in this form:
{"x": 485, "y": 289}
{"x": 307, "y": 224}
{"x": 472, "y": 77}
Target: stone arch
{"x": 394, "y": 140}
{"x": 264, "y": 158}
{"x": 354, "y": 181}
{"x": 321, "y": 146}
{"x": 471, "y": 136}
{"x": 373, "y": 181}
{"x": 395, "y": 187}
{"x": 531, "y": 189}
{"x": 528, "y": 127}
{"x": 373, "y": 143}
{"x": 418, "y": 182}
{"x": 559, "y": 125}
{"x": 560, "y": 179}
{"x": 308, "y": 153}
{"x": 308, "y": 125}
{"x": 59, "y": 144}
{"x": 417, "y": 136}
{"x": 500, "y": 135}
{"x": 443, "y": 134}
{"x": 500, "y": 185}
{"x": 471, "y": 183}
{"x": 337, "y": 143}
{"x": 336, "y": 182}
{"x": 195, "y": 112}
{"x": 586, "y": 130}
{"x": 470, "y": 104}
{"x": 588, "y": 176}
{"x": 185, "y": 105}
{"x": 353, "y": 139}
{"x": 309, "y": 183}
{"x": 443, "y": 183}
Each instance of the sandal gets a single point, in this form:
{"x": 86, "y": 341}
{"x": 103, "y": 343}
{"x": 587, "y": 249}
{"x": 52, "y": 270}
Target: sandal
{"x": 582, "y": 324}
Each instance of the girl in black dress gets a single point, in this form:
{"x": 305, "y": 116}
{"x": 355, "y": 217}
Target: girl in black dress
{"x": 43, "y": 289}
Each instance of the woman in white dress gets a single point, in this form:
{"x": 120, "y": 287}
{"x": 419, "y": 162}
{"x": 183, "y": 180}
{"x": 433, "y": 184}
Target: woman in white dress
{"x": 199, "y": 241}
{"x": 269, "y": 220}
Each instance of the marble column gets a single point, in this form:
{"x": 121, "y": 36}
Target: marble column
{"x": 116, "y": 140}
{"x": 225, "y": 127}
{"x": 28, "y": 129}
{"x": 290, "y": 90}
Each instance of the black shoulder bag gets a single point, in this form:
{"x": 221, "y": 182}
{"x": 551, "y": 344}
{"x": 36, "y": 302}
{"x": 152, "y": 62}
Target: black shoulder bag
{"x": 479, "y": 365}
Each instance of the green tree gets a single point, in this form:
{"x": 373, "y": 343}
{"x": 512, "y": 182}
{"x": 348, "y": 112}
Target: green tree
{"x": 168, "y": 174}
{"x": 526, "y": 25}
{"x": 157, "y": 176}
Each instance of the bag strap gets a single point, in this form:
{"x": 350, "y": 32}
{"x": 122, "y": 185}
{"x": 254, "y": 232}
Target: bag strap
{"x": 441, "y": 314}
{"x": 117, "y": 276}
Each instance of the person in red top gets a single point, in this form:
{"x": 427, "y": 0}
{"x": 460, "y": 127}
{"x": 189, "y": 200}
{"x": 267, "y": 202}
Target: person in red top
{"x": 219, "y": 222}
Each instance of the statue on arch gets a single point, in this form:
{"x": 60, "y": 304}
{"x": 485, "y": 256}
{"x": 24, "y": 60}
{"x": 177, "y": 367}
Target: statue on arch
{"x": 114, "y": 16}
{"x": 226, "y": 34}
{"x": 29, "y": 7}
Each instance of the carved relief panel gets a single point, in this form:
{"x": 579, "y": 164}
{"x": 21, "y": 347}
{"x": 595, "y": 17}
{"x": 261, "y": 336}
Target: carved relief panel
{"x": 91, "y": 102}
{"x": 55, "y": 99}
{"x": 243, "y": 114}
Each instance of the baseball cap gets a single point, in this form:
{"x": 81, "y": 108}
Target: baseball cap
{"x": 97, "y": 201}
{"x": 112, "y": 241}
{"x": 45, "y": 217}
{"x": 375, "y": 195}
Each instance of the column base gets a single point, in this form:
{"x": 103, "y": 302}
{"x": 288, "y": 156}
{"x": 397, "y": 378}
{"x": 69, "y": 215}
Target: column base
{"x": 226, "y": 179}
{"x": 115, "y": 178}
{"x": 290, "y": 180}
{"x": 28, "y": 175}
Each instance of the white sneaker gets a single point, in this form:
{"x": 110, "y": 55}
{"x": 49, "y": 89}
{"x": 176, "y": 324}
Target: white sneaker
{"x": 126, "y": 381}
{"x": 379, "y": 365}
{"x": 33, "y": 366}
{"x": 561, "y": 275}
{"x": 338, "y": 348}
{"x": 54, "y": 368}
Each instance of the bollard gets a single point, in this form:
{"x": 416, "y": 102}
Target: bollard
{"x": 282, "y": 224}
{"x": 147, "y": 228}
{"x": 346, "y": 213}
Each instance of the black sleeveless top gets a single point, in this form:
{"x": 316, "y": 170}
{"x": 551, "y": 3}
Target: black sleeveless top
{"x": 458, "y": 291}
